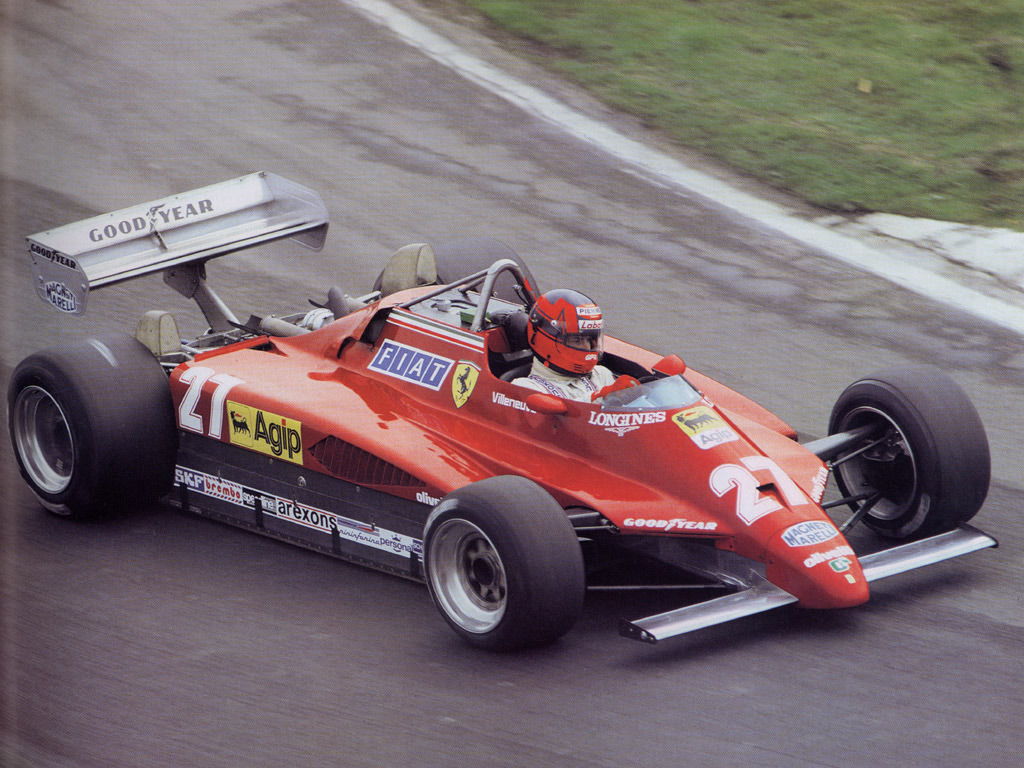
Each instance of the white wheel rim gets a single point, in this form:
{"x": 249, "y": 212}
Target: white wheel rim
{"x": 43, "y": 439}
{"x": 467, "y": 576}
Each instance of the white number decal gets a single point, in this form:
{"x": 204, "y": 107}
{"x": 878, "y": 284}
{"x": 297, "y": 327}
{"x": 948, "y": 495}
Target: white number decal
{"x": 750, "y": 504}
{"x": 790, "y": 491}
{"x": 225, "y": 382}
{"x": 196, "y": 378}
{"x": 187, "y": 416}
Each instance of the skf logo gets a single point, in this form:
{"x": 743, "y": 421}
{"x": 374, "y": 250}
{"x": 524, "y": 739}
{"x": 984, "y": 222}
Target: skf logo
{"x": 265, "y": 432}
{"x": 463, "y": 382}
{"x": 704, "y": 427}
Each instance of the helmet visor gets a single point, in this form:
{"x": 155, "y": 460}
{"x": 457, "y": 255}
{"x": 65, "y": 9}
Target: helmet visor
{"x": 586, "y": 341}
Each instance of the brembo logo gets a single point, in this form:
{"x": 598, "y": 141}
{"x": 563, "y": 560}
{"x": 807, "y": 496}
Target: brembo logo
{"x": 157, "y": 214}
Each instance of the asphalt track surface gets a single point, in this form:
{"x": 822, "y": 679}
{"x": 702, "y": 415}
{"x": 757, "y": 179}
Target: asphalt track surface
{"x": 162, "y": 639}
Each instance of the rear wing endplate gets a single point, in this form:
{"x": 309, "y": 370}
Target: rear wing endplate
{"x": 194, "y": 226}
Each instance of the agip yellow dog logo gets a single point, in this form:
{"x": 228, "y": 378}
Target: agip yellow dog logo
{"x": 463, "y": 383}
{"x": 265, "y": 432}
{"x": 704, "y": 427}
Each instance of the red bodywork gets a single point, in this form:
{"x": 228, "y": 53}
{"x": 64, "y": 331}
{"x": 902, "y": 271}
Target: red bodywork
{"x": 723, "y": 469}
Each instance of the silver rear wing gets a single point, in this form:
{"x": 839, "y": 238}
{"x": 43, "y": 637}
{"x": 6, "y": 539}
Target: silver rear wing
{"x": 163, "y": 234}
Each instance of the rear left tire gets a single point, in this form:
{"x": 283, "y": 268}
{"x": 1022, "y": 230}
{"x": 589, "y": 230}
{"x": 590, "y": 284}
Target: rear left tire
{"x": 92, "y": 425}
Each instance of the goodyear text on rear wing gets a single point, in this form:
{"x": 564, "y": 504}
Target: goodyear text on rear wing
{"x": 185, "y": 229}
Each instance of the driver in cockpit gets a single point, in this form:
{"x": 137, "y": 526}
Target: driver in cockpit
{"x": 566, "y": 336}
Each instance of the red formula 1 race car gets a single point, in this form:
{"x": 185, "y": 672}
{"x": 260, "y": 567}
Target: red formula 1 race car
{"x": 386, "y": 430}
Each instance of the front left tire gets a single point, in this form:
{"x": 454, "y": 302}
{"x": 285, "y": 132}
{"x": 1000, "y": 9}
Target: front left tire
{"x": 503, "y": 564}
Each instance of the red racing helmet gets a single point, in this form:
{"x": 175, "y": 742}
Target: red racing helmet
{"x": 566, "y": 332}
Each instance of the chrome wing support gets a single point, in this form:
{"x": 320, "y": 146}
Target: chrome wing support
{"x": 758, "y": 594}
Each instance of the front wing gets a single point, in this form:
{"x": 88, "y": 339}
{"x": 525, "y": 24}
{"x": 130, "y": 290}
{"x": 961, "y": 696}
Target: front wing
{"x": 760, "y": 595}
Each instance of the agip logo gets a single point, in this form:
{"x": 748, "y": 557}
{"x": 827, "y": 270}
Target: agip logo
{"x": 265, "y": 432}
{"x": 704, "y": 427}
{"x": 463, "y": 383}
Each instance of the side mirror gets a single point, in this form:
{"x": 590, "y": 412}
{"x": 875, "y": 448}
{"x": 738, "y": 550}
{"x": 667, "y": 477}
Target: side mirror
{"x": 547, "y": 404}
{"x": 670, "y": 365}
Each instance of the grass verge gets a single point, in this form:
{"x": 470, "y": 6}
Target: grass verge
{"x": 913, "y": 107}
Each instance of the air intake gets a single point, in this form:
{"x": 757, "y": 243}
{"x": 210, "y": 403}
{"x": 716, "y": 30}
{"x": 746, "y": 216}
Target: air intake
{"x": 355, "y": 465}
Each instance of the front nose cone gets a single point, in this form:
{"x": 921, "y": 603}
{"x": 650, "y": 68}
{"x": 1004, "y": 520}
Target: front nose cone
{"x": 819, "y": 573}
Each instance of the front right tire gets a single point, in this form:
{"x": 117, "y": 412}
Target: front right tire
{"x": 929, "y": 459}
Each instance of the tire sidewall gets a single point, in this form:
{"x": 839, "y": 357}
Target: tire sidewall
{"x": 539, "y": 553}
{"x": 84, "y": 483}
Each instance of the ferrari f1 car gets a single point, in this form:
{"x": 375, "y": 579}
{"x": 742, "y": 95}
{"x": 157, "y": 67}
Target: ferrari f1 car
{"x": 386, "y": 430}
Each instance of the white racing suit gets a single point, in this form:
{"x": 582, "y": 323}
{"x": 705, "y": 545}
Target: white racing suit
{"x": 570, "y": 387}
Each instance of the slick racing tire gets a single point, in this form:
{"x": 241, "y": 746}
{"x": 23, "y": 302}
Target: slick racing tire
{"x": 932, "y": 464}
{"x": 92, "y": 425}
{"x": 503, "y": 564}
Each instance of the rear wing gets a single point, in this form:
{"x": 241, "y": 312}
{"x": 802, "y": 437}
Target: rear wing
{"x": 194, "y": 226}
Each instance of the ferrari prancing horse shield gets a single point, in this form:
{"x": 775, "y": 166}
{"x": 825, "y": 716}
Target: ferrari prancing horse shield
{"x": 463, "y": 382}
